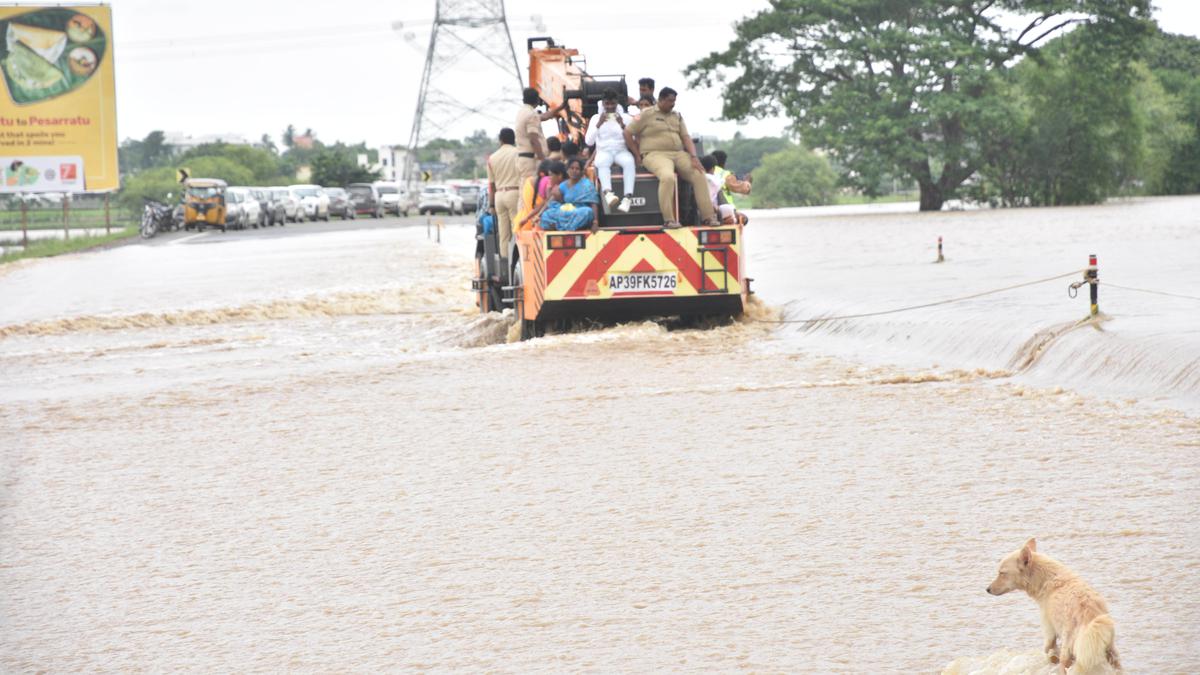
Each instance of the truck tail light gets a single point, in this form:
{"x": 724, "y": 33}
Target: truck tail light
{"x": 556, "y": 242}
{"x": 714, "y": 237}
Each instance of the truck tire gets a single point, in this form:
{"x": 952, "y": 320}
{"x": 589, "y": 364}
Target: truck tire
{"x": 530, "y": 328}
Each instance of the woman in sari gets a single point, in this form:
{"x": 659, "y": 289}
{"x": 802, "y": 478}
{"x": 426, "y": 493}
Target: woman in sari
{"x": 577, "y": 204}
{"x": 536, "y": 191}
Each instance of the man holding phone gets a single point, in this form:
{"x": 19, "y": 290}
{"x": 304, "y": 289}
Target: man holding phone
{"x": 606, "y": 131}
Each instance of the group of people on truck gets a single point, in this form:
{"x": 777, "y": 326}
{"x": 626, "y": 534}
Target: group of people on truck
{"x": 535, "y": 181}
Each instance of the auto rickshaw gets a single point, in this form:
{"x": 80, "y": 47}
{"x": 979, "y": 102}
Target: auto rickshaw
{"x": 204, "y": 203}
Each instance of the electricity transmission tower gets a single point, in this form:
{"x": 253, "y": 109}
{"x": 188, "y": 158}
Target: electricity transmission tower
{"x": 471, "y": 72}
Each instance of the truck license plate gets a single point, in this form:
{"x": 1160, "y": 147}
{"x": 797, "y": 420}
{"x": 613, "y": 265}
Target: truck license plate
{"x": 643, "y": 281}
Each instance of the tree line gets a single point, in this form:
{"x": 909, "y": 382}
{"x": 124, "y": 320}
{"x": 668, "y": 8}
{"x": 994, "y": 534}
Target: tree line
{"x": 1080, "y": 101}
{"x": 148, "y": 165}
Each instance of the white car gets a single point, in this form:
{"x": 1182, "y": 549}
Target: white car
{"x": 440, "y": 198}
{"x": 251, "y": 210}
{"x": 394, "y": 198}
{"x": 314, "y": 203}
{"x": 291, "y": 205}
{"x": 235, "y": 215}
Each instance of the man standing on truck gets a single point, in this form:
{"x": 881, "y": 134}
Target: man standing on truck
{"x": 661, "y": 140}
{"x": 504, "y": 181}
{"x": 531, "y": 143}
{"x": 645, "y": 90}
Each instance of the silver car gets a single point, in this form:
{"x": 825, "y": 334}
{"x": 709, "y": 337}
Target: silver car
{"x": 291, "y": 205}
{"x": 250, "y": 208}
{"x": 440, "y": 199}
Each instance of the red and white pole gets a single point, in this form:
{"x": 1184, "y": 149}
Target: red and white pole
{"x": 1093, "y": 277}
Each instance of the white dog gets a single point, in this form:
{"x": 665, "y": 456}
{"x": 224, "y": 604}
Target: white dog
{"x": 1075, "y": 618}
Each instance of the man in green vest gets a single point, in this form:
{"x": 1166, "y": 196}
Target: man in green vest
{"x": 729, "y": 182}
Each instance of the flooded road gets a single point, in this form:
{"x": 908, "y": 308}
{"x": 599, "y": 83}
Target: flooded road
{"x": 309, "y": 453}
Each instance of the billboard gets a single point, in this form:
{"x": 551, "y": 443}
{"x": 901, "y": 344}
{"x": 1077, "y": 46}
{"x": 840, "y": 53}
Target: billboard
{"x": 58, "y": 110}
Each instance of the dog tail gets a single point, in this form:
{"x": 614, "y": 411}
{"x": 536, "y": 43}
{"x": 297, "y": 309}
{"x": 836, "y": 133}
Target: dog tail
{"x": 1094, "y": 644}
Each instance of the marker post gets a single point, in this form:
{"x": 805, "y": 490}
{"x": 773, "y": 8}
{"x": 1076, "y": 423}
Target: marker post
{"x": 1093, "y": 279}
{"x": 941, "y": 258}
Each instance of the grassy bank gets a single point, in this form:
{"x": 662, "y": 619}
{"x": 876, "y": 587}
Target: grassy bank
{"x": 744, "y": 202}
{"x": 51, "y": 219}
{"x": 43, "y": 248}
{"x": 882, "y": 199}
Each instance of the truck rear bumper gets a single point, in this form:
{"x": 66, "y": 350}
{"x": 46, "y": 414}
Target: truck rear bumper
{"x": 625, "y": 309}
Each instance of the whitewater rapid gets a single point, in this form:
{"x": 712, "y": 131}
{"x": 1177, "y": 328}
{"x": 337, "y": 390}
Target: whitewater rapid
{"x": 312, "y": 454}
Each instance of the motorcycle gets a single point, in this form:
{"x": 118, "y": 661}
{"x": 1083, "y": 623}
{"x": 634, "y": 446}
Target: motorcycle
{"x": 156, "y": 217}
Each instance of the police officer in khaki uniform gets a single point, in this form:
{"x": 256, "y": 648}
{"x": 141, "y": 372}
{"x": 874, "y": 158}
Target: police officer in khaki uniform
{"x": 662, "y": 142}
{"x": 504, "y": 185}
{"x": 531, "y": 145}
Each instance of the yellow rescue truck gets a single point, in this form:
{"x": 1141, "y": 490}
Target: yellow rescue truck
{"x": 633, "y": 267}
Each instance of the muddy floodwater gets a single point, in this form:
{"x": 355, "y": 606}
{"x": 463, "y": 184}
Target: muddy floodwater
{"x": 309, "y": 453}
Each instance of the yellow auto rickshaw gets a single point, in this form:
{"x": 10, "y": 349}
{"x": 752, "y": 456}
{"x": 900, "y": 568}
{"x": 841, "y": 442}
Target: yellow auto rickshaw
{"x": 204, "y": 203}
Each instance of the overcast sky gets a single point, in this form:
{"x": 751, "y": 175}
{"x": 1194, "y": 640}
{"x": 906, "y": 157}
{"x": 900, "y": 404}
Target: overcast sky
{"x": 351, "y": 69}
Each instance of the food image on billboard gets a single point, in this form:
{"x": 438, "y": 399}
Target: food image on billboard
{"x": 58, "y": 107}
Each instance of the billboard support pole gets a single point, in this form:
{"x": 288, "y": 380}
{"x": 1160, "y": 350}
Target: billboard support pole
{"x": 107, "y": 219}
{"x": 66, "y": 217}
{"x": 24, "y": 222}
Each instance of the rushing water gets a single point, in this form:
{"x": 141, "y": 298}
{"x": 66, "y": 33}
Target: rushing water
{"x": 309, "y": 453}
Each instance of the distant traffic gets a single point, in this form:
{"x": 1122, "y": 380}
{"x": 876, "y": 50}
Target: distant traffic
{"x": 207, "y": 203}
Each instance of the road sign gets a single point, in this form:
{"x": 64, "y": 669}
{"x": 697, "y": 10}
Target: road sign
{"x": 426, "y": 176}
{"x": 182, "y": 174}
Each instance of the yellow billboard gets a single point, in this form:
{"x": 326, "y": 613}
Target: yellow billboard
{"x": 58, "y": 109}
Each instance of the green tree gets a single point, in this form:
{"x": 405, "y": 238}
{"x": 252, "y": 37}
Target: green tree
{"x": 151, "y": 151}
{"x": 160, "y": 183}
{"x": 432, "y": 151}
{"x": 794, "y": 177}
{"x": 289, "y": 136}
{"x": 262, "y": 165}
{"x": 910, "y": 86}
{"x": 1175, "y": 62}
{"x": 338, "y": 166}
{"x": 1167, "y": 134}
{"x": 1083, "y": 124}
{"x": 745, "y": 154}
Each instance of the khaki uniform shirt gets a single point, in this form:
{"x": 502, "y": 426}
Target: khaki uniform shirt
{"x": 502, "y": 168}
{"x": 529, "y": 127}
{"x": 656, "y": 130}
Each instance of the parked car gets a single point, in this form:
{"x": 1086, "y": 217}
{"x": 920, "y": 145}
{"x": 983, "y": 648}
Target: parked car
{"x": 440, "y": 199}
{"x": 248, "y": 205}
{"x": 313, "y": 202}
{"x": 469, "y": 193}
{"x": 366, "y": 199}
{"x": 272, "y": 209}
{"x": 235, "y": 215}
{"x": 340, "y": 204}
{"x": 395, "y": 198}
{"x": 291, "y": 205}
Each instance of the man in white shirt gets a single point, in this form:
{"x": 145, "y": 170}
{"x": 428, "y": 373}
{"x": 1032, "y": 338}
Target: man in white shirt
{"x": 606, "y": 131}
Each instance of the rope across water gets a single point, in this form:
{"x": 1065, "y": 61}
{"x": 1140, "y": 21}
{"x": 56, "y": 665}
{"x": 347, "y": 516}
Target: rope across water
{"x": 910, "y": 308}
